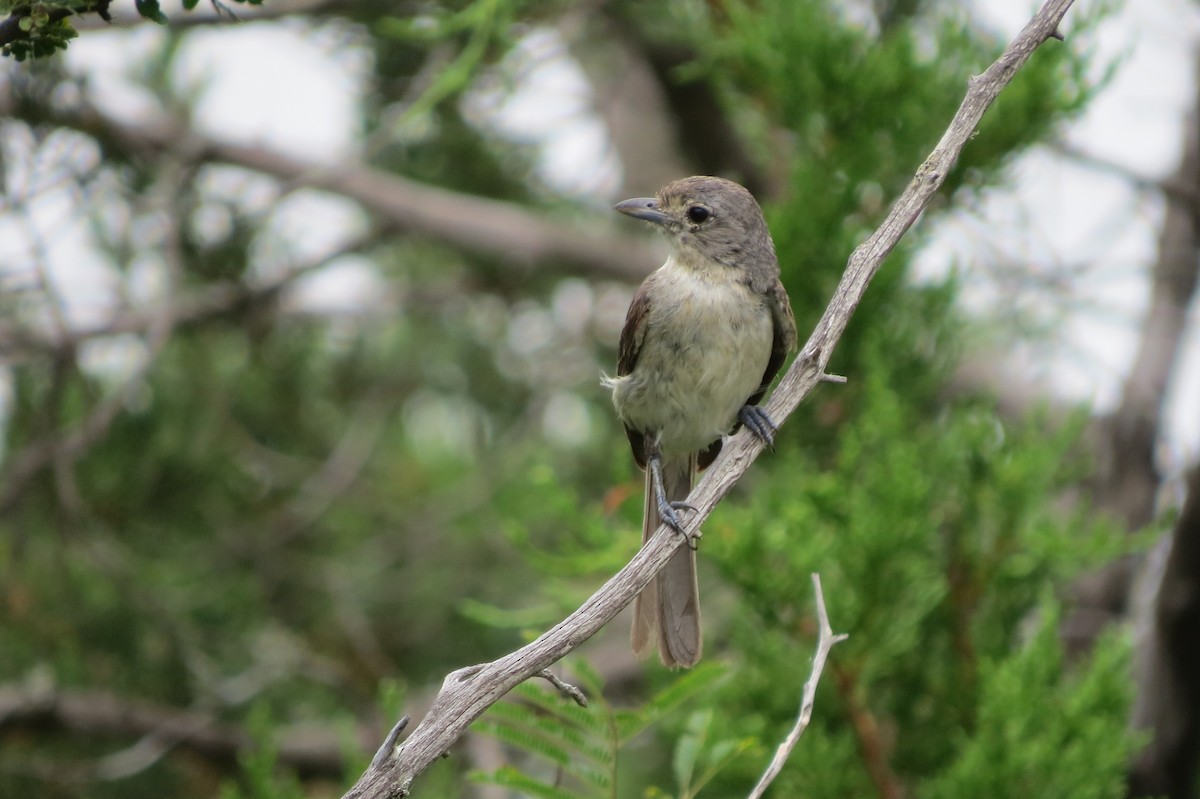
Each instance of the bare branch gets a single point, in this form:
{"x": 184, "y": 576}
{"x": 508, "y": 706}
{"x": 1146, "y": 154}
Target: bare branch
{"x": 94, "y": 714}
{"x": 825, "y": 641}
{"x": 467, "y": 693}
{"x": 523, "y": 239}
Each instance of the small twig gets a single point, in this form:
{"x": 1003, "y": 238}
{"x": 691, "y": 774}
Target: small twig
{"x": 825, "y": 641}
{"x": 566, "y": 689}
{"x": 390, "y": 741}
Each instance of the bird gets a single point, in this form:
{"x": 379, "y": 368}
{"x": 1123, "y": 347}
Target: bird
{"x": 704, "y": 336}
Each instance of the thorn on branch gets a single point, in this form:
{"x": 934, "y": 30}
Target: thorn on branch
{"x": 462, "y": 675}
{"x": 388, "y": 747}
{"x": 828, "y": 378}
{"x": 1057, "y": 34}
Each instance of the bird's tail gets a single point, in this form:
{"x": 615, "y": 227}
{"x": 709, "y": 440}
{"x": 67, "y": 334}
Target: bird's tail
{"x": 670, "y": 604}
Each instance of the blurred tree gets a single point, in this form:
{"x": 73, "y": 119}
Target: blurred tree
{"x": 237, "y": 502}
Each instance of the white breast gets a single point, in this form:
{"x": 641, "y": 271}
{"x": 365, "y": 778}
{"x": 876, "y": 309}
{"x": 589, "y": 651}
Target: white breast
{"x": 703, "y": 355}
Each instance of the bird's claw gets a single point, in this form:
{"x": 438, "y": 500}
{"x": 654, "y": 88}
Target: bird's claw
{"x": 668, "y": 513}
{"x": 756, "y": 420}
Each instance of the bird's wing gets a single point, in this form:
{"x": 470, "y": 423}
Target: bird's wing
{"x": 784, "y": 340}
{"x": 630, "y": 346}
{"x": 634, "y": 331}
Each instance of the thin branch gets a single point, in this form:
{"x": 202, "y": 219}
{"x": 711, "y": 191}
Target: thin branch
{"x": 572, "y": 692}
{"x": 467, "y": 693}
{"x": 825, "y": 641}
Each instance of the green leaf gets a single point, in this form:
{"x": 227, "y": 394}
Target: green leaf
{"x": 687, "y": 750}
{"x": 700, "y": 679}
{"x": 150, "y": 10}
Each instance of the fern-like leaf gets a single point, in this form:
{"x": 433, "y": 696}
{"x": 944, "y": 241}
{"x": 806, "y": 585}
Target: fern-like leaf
{"x": 582, "y": 745}
{"x": 509, "y": 777}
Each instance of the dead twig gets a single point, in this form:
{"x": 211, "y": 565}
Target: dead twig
{"x": 825, "y": 641}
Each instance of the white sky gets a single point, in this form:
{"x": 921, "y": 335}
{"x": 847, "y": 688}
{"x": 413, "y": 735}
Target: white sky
{"x": 298, "y": 93}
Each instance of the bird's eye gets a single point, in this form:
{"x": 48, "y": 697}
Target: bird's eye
{"x": 698, "y": 213}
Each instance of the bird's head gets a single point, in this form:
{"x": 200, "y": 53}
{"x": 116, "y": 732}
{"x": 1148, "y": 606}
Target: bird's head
{"x": 707, "y": 219}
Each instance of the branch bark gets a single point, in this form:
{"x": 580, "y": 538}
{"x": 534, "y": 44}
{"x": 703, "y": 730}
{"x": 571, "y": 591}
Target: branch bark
{"x": 467, "y": 693}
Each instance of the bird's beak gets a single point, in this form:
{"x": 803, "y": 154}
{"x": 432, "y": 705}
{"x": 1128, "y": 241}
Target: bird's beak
{"x": 645, "y": 208}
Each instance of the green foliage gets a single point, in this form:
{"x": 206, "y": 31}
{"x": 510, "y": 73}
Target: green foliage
{"x": 261, "y": 777}
{"x": 1038, "y": 734}
{"x": 45, "y": 27}
{"x": 482, "y": 23}
{"x": 700, "y": 756}
{"x": 150, "y": 10}
{"x": 310, "y": 506}
{"x": 939, "y": 537}
{"x": 936, "y": 538}
{"x": 571, "y": 751}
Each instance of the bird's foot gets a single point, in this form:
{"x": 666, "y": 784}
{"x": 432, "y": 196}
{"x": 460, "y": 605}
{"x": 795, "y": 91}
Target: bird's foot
{"x": 759, "y": 423}
{"x": 668, "y": 511}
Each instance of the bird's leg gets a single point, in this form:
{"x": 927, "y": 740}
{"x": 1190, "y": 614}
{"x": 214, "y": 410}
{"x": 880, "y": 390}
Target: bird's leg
{"x": 667, "y": 509}
{"x": 759, "y": 423}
